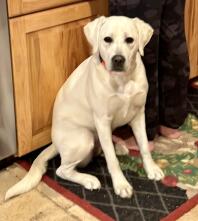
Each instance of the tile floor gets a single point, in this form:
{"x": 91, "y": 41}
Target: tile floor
{"x": 190, "y": 216}
{"x": 40, "y": 204}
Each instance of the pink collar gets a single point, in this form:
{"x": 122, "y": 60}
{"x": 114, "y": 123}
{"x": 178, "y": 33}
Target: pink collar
{"x": 102, "y": 61}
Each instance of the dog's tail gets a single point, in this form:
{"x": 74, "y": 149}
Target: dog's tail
{"x": 33, "y": 177}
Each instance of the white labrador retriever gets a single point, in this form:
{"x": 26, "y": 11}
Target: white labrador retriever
{"x": 106, "y": 91}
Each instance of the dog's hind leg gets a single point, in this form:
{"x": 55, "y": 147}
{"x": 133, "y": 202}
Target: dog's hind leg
{"x": 76, "y": 152}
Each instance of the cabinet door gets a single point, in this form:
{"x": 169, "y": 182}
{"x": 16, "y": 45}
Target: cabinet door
{"x": 46, "y": 47}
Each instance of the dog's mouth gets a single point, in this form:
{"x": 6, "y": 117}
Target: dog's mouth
{"x": 118, "y": 69}
{"x": 118, "y": 73}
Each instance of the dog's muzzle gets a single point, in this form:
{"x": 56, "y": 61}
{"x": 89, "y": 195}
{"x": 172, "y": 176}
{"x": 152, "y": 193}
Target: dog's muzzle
{"x": 118, "y": 63}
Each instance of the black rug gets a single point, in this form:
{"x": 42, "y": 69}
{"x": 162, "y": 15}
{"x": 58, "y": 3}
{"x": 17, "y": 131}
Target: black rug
{"x": 151, "y": 200}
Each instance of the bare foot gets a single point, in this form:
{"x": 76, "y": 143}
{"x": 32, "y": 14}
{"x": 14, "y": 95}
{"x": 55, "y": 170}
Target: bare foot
{"x": 130, "y": 143}
{"x": 169, "y": 132}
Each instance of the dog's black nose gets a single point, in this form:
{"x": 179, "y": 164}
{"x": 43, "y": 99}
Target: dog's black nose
{"x": 118, "y": 62}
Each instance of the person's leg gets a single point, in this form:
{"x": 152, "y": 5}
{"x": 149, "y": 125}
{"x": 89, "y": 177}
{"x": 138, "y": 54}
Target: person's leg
{"x": 149, "y": 11}
{"x": 173, "y": 69}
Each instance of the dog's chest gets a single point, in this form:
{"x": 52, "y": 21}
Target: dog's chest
{"x": 122, "y": 107}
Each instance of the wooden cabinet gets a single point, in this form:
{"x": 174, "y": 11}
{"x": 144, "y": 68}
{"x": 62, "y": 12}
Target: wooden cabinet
{"x": 46, "y": 47}
{"x": 191, "y": 26}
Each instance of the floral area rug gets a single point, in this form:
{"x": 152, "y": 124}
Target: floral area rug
{"x": 178, "y": 158}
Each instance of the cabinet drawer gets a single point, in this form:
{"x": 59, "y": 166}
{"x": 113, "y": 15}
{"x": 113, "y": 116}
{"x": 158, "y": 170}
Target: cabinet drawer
{"x": 21, "y": 7}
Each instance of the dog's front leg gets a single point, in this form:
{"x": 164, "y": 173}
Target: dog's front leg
{"x": 139, "y": 130}
{"x": 120, "y": 184}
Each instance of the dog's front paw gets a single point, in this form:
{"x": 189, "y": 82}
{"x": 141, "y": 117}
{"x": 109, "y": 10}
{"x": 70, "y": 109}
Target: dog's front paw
{"x": 123, "y": 189}
{"x": 153, "y": 170}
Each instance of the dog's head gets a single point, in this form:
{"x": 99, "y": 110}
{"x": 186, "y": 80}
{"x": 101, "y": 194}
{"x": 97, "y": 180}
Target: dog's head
{"x": 117, "y": 39}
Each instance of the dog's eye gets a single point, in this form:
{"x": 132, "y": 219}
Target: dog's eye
{"x": 129, "y": 40}
{"x": 108, "y": 39}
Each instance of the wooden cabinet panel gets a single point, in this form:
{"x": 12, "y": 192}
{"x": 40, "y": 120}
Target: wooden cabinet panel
{"x": 46, "y": 47}
{"x": 50, "y": 62}
{"x": 191, "y": 26}
{"x": 20, "y": 7}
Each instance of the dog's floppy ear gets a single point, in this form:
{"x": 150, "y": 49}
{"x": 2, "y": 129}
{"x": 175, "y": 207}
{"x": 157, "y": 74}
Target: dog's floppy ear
{"x": 92, "y": 30}
{"x": 145, "y": 32}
